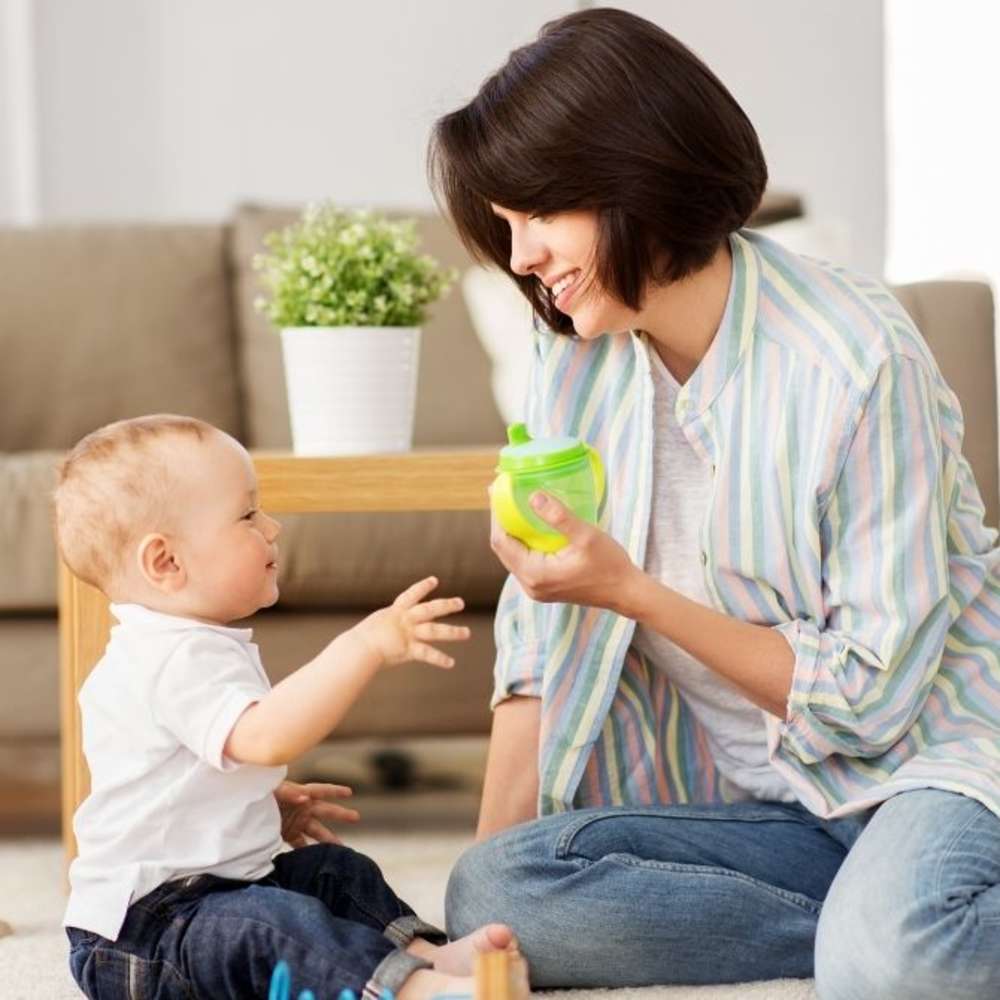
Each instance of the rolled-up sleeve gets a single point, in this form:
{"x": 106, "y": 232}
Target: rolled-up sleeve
{"x": 862, "y": 675}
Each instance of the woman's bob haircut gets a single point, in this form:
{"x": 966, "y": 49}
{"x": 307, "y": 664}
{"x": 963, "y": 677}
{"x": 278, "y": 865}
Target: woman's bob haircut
{"x": 604, "y": 112}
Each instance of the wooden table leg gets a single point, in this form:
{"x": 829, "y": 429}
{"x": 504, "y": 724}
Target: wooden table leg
{"x": 84, "y": 627}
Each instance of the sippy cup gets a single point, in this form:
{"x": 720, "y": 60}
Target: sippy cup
{"x": 566, "y": 468}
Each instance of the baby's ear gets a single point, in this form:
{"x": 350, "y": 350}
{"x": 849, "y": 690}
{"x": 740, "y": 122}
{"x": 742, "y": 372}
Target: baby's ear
{"x": 157, "y": 564}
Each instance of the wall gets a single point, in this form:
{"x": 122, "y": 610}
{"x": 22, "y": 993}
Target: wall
{"x": 810, "y": 76}
{"x": 178, "y": 108}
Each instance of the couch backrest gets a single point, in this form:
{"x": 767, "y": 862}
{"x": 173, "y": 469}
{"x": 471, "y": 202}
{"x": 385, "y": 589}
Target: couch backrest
{"x": 103, "y": 322}
{"x": 957, "y": 321}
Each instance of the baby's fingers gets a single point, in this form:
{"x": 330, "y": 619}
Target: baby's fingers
{"x": 434, "y": 632}
{"x": 428, "y": 654}
{"x": 322, "y": 834}
{"x": 416, "y": 592}
{"x": 437, "y": 609}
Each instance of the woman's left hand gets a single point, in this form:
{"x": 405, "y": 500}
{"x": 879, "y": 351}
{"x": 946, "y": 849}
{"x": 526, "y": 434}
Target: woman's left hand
{"x": 305, "y": 809}
{"x": 592, "y": 570}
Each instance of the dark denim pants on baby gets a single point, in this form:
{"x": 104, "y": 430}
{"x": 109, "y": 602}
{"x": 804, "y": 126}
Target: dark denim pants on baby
{"x": 325, "y": 909}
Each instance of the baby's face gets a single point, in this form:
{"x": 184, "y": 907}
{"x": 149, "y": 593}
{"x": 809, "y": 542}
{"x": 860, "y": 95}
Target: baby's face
{"x": 226, "y": 542}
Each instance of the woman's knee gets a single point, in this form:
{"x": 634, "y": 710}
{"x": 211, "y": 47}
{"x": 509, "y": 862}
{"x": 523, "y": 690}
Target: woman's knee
{"x": 877, "y": 946}
{"x": 477, "y": 888}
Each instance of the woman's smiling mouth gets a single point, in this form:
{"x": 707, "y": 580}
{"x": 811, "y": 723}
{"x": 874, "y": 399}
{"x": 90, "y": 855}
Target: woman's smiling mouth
{"x": 562, "y": 290}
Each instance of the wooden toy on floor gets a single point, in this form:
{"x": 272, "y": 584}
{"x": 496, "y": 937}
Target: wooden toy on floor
{"x": 501, "y": 976}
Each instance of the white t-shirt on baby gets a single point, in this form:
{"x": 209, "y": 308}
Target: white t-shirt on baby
{"x": 164, "y": 802}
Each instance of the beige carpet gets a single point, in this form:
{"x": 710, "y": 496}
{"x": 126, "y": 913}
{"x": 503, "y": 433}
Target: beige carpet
{"x": 416, "y": 862}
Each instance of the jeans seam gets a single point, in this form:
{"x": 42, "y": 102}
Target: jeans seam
{"x": 949, "y": 850}
{"x": 796, "y": 899}
{"x": 565, "y": 839}
{"x": 330, "y": 871}
{"x": 104, "y": 954}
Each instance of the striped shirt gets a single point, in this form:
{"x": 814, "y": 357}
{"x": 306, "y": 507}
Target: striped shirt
{"x": 842, "y": 514}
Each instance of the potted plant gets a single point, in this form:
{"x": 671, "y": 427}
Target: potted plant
{"x": 349, "y": 291}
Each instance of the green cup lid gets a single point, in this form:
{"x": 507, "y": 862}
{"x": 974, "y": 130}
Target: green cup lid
{"x": 524, "y": 454}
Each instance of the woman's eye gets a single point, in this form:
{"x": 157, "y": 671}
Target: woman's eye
{"x": 538, "y": 217}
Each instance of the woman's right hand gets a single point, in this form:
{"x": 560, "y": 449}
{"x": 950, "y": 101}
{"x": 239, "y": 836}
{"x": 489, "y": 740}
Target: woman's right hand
{"x": 405, "y": 630}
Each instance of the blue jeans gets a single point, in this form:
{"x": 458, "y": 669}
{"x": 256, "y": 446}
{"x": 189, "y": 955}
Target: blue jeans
{"x": 325, "y": 909}
{"x": 899, "y": 902}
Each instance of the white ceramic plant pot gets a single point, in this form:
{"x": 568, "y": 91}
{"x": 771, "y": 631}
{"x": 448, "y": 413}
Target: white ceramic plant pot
{"x": 352, "y": 390}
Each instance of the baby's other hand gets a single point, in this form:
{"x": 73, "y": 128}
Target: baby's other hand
{"x": 303, "y": 809}
{"x": 406, "y": 630}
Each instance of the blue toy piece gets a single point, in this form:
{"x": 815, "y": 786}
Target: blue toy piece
{"x": 281, "y": 985}
{"x": 281, "y": 982}
{"x": 281, "y": 988}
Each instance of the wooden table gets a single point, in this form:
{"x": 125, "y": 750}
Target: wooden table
{"x": 414, "y": 481}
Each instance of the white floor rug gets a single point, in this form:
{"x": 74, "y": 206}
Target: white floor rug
{"x": 416, "y": 864}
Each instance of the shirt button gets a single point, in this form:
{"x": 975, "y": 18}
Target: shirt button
{"x": 704, "y": 558}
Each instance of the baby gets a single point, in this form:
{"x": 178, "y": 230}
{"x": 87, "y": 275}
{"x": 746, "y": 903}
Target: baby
{"x": 186, "y": 882}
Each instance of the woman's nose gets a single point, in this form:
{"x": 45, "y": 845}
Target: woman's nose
{"x": 526, "y": 253}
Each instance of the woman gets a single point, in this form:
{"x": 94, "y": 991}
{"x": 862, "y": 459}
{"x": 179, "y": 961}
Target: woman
{"x": 758, "y": 707}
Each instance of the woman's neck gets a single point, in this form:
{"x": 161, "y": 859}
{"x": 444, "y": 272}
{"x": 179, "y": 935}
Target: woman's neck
{"x": 683, "y": 318}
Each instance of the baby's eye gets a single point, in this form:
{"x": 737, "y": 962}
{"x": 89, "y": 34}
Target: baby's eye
{"x": 249, "y": 515}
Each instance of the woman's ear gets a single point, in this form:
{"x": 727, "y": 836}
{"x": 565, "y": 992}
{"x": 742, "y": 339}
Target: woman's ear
{"x": 159, "y": 565}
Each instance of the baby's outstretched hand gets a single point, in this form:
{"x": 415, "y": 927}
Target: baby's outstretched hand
{"x": 304, "y": 808}
{"x": 405, "y": 630}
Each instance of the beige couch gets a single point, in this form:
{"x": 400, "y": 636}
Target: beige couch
{"x": 103, "y": 322}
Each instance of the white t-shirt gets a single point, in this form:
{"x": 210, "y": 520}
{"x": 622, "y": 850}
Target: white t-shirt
{"x": 682, "y": 485}
{"x": 164, "y": 802}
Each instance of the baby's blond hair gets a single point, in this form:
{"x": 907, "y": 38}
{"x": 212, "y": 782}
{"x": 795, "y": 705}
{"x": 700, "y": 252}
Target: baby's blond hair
{"x": 112, "y": 487}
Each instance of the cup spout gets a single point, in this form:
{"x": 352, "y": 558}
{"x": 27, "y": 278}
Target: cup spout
{"x": 518, "y": 434}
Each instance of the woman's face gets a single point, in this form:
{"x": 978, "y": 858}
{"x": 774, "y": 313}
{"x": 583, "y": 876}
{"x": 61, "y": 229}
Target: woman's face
{"x": 559, "y": 251}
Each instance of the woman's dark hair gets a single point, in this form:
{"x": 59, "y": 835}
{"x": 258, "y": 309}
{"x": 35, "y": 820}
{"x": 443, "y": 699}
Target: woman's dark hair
{"x": 606, "y": 112}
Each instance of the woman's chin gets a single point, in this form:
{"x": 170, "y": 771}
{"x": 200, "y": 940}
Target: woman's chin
{"x": 589, "y": 331}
